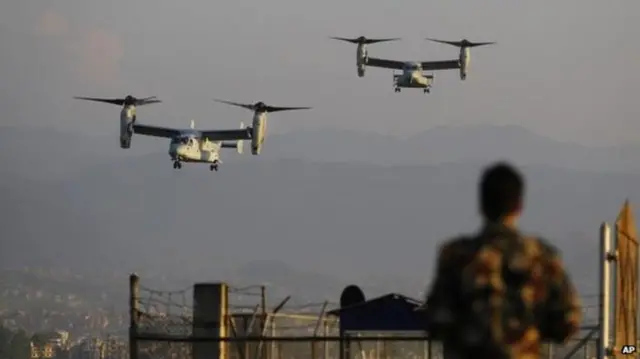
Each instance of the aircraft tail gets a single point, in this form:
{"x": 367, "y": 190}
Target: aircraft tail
{"x": 238, "y": 145}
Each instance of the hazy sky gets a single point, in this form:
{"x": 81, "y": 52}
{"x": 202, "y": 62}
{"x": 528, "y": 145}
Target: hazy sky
{"x": 564, "y": 69}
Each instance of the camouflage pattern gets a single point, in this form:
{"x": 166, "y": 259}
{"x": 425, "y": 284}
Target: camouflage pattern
{"x": 498, "y": 295}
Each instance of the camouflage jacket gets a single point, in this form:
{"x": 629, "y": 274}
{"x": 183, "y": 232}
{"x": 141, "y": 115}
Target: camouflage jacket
{"x": 498, "y": 295}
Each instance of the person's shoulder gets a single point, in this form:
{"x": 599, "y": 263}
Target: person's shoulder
{"x": 454, "y": 248}
{"x": 540, "y": 250}
{"x": 540, "y": 246}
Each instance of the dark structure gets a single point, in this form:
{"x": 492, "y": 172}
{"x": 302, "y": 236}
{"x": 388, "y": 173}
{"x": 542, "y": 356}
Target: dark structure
{"x": 388, "y": 313}
{"x": 391, "y": 312}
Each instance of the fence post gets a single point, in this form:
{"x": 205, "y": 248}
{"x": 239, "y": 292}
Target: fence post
{"x": 606, "y": 259}
{"x": 134, "y": 310}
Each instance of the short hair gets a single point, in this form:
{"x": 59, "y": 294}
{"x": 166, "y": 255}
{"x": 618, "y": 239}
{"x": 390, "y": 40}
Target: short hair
{"x": 501, "y": 191}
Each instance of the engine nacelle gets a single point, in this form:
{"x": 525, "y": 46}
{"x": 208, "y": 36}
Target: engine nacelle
{"x": 361, "y": 70}
{"x": 127, "y": 119}
{"x": 259, "y": 129}
{"x": 256, "y": 144}
{"x": 465, "y": 57}
{"x": 361, "y": 59}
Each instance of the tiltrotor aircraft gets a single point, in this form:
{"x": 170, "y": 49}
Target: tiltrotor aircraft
{"x": 259, "y": 124}
{"x": 127, "y": 114}
{"x": 197, "y": 146}
{"x": 412, "y": 75}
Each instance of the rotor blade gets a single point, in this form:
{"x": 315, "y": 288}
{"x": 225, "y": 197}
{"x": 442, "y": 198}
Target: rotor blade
{"x": 474, "y": 44}
{"x": 243, "y": 105}
{"x": 453, "y": 43}
{"x": 364, "y": 40}
{"x": 373, "y": 41}
{"x": 462, "y": 43}
{"x": 113, "y": 101}
{"x": 276, "y": 109}
{"x": 353, "y": 41}
{"x": 147, "y": 101}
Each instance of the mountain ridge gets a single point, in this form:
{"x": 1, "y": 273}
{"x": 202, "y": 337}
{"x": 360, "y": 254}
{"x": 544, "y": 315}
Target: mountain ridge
{"x": 441, "y": 144}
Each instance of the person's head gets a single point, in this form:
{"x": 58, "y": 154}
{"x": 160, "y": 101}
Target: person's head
{"x": 501, "y": 192}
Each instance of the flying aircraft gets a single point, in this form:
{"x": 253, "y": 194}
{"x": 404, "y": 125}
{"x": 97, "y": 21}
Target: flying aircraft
{"x": 259, "y": 125}
{"x": 465, "y": 52}
{"x": 127, "y": 114}
{"x": 361, "y": 52}
{"x": 412, "y": 75}
{"x": 197, "y": 146}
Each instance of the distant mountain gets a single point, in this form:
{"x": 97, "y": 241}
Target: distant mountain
{"x": 36, "y": 152}
{"x": 451, "y": 144}
{"x": 84, "y": 203}
{"x": 328, "y": 224}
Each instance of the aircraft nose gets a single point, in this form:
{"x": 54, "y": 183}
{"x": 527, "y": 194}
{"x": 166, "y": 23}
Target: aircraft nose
{"x": 176, "y": 150}
{"x": 181, "y": 150}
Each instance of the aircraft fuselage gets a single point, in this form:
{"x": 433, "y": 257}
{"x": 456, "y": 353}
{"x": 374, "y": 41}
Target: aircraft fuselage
{"x": 193, "y": 149}
{"x": 413, "y": 77}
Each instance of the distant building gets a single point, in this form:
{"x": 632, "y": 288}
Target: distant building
{"x": 90, "y": 348}
{"x": 47, "y": 344}
{"x": 39, "y": 351}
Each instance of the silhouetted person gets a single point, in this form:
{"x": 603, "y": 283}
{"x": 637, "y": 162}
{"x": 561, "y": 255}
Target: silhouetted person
{"x": 498, "y": 294}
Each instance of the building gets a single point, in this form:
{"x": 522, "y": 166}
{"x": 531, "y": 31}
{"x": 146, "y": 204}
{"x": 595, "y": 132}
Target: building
{"x": 47, "y": 344}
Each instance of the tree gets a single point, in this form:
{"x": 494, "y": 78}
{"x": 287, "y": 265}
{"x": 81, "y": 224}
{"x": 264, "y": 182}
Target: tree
{"x": 14, "y": 344}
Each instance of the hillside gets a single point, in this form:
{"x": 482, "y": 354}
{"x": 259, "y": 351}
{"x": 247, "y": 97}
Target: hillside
{"x": 59, "y": 154}
{"x": 348, "y": 221}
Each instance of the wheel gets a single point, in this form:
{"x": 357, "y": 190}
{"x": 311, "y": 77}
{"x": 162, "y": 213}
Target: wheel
{"x": 175, "y": 165}
{"x": 213, "y": 168}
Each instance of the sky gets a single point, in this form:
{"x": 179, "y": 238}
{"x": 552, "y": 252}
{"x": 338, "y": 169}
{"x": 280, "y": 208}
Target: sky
{"x": 562, "y": 69}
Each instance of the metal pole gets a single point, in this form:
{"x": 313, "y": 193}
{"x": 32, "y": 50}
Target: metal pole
{"x": 134, "y": 310}
{"x": 326, "y": 343}
{"x": 606, "y": 257}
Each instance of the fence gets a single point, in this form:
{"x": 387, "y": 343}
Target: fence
{"x": 162, "y": 328}
{"x": 399, "y": 346}
{"x": 161, "y": 325}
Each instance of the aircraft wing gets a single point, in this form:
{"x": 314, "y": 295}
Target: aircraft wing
{"x": 227, "y": 135}
{"x": 155, "y": 131}
{"x": 387, "y": 64}
{"x": 440, "y": 65}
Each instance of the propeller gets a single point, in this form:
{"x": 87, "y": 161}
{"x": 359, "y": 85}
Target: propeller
{"x": 363, "y": 40}
{"x": 461, "y": 43}
{"x": 127, "y": 101}
{"x": 261, "y": 106}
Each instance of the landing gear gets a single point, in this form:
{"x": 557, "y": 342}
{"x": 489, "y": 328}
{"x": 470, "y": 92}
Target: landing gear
{"x": 177, "y": 165}
{"x": 213, "y": 167}
{"x": 397, "y": 89}
{"x": 427, "y": 90}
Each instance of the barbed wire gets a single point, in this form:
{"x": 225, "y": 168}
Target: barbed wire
{"x": 171, "y": 311}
